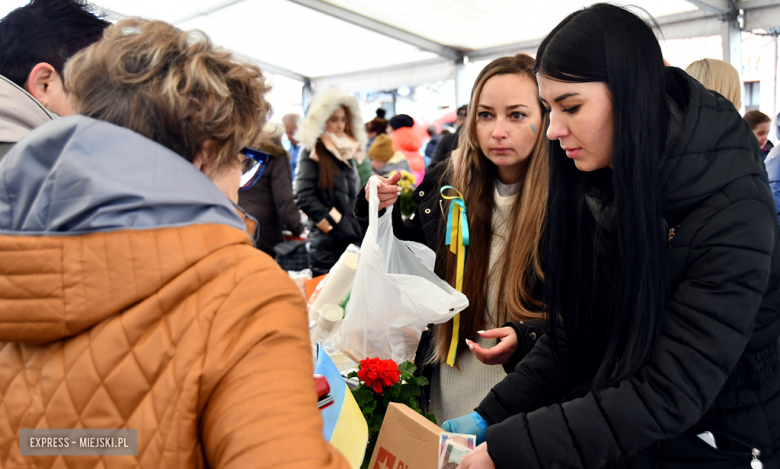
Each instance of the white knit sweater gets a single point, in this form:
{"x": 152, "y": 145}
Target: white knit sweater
{"x": 457, "y": 392}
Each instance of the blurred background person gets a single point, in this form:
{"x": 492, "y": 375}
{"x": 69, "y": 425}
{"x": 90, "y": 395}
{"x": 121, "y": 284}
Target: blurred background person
{"x": 448, "y": 143}
{"x": 270, "y": 199}
{"x": 719, "y": 76}
{"x": 289, "y": 143}
{"x": 406, "y": 140}
{"x": 759, "y": 124}
{"x": 332, "y": 135}
{"x": 161, "y": 315}
{"x": 384, "y": 159}
{"x": 430, "y": 147}
{"x": 375, "y": 127}
{"x": 35, "y": 42}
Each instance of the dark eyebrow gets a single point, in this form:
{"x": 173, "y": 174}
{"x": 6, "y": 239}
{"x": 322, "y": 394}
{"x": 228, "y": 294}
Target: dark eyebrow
{"x": 508, "y": 107}
{"x": 564, "y": 96}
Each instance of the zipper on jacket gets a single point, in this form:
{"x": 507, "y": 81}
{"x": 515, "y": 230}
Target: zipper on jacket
{"x": 756, "y": 463}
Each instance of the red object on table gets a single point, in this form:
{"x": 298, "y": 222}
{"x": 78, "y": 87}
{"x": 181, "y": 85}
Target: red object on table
{"x": 324, "y": 399}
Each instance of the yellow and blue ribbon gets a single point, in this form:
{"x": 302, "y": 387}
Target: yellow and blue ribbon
{"x": 457, "y": 239}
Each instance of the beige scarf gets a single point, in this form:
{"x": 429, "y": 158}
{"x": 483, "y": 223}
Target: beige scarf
{"x": 343, "y": 148}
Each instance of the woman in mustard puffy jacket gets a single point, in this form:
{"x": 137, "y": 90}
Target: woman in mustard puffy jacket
{"x": 130, "y": 293}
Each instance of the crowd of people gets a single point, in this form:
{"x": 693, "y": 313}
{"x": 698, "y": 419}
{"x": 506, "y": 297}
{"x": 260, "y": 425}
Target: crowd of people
{"x": 623, "y": 271}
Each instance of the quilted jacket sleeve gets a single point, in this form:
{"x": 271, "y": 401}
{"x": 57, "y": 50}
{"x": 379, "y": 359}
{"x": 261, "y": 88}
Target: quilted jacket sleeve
{"x": 539, "y": 380}
{"x": 707, "y": 325}
{"x": 257, "y": 391}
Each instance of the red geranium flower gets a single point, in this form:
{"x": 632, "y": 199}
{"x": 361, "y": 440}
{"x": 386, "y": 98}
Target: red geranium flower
{"x": 378, "y": 374}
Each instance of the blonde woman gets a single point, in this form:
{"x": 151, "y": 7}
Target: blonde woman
{"x": 327, "y": 182}
{"x": 502, "y": 173}
{"x": 132, "y": 295}
{"x": 719, "y": 76}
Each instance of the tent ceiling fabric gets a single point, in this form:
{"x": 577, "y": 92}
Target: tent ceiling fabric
{"x": 311, "y": 44}
{"x": 472, "y": 25}
{"x": 295, "y": 37}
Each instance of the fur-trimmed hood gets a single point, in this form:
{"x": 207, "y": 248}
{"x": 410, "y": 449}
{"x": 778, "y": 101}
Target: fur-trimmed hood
{"x": 268, "y": 146}
{"x": 321, "y": 108}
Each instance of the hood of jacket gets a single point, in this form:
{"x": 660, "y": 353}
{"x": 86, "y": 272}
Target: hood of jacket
{"x": 95, "y": 218}
{"x": 709, "y": 145}
{"x": 19, "y": 112}
{"x": 406, "y": 139}
{"x": 321, "y": 108}
{"x": 276, "y": 151}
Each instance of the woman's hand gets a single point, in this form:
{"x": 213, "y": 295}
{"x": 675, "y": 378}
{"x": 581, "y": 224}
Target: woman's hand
{"x": 499, "y": 354}
{"x": 478, "y": 459}
{"x": 387, "y": 189}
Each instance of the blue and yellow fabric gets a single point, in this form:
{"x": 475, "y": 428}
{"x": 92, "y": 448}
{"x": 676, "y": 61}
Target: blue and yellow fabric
{"x": 457, "y": 238}
{"x": 345, "y": 428}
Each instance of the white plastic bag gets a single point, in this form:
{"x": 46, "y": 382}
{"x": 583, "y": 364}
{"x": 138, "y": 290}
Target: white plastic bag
{"x": 395, "y": 293}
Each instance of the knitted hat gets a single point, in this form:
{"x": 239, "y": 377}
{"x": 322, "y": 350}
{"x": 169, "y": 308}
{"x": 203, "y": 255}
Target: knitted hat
{"x": 401, "y": 120}
{"x": 381, "y": 149}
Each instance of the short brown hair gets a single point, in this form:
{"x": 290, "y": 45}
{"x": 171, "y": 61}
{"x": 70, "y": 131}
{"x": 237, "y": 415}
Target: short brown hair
{"x": 754, "y": 118}
{"x": 171, "y": 86}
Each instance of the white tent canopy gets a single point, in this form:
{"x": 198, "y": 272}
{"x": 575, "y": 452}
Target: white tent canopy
{"x": 376, "y": 44}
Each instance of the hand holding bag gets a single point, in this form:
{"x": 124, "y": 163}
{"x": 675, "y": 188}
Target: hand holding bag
{"x": 396, "y": 293}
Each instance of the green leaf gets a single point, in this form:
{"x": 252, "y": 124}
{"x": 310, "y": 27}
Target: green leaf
{"x": 376, "y": 422}
{"x": 407, "y": 367}
{"x": 431, "y": 418}
{"x": 363, "y": 396}
{"x": 352, "y": 374}
{"x": 414, "y": 405}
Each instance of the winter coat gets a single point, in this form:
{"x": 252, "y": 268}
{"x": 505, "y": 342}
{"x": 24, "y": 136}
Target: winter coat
{"x": 430, "y": 147}
{"x": 773, "y": 170}
{"x": 447, "y": 143}
{"x": 715, "y": 365}
{"x": 365, "y": 170}
{"x": 270, "y": 200}
{"x": 767, "y": 148}
{"x": 326, "y": 248}
{"x": 426, "y": 226}
{"x": 19, "y": 114}
{"x": 406, "y": 140}
{"x": 134, "y": 299}
{"x": 396, "y": 163}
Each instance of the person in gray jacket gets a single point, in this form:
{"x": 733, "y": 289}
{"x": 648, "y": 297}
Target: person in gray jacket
{"x": 384, "y": 159}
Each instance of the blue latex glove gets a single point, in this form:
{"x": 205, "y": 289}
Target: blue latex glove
{"x": 471, "y": 424}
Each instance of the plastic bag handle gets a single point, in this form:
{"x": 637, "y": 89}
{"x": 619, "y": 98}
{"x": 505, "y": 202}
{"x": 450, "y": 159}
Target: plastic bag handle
{"x": 373, "y": 202}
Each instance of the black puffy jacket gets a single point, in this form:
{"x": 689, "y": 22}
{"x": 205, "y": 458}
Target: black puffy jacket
{"x": 715, "y": 366}
{"x": 326, "y": 248}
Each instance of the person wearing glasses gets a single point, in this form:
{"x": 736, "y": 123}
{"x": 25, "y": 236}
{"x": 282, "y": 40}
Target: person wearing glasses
{"x": 332, "y": 136}
{"x": 270, "y": 201}
{"x": 132, "y": 296}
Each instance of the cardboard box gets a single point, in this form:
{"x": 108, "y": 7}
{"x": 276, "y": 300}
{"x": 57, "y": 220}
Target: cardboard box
{"x": 407, "y": 440}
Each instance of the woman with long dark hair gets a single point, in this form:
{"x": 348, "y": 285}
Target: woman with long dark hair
{"x": 327, "y": 180}
{"x": 661, "y": 271}
{"x": 501, "y": 170}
